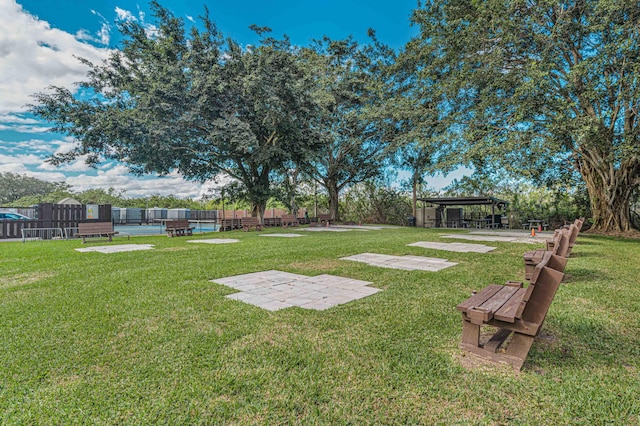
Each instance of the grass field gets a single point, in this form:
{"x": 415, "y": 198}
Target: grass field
{"x": 145, "y": 338}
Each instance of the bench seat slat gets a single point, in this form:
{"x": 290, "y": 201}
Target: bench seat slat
{"x": 512, "y": 308}
{"x": 479, "y": 298}
{"x": 499, "y": 299}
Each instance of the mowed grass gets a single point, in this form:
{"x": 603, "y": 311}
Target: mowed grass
{"x": 145, "y": 338}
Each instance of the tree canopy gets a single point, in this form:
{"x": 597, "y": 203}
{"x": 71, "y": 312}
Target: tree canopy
{"x": 354, "y": 126}
{"x": 14, "y": 187}
{"x": 196, "y": 103}
{"x": 538, "y": 87}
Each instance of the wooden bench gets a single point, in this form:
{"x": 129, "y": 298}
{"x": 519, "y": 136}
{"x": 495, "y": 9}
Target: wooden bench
{"x": 322, "y": 218}
{"x": 517, "y": 312}
{"x": 95, "y": 229}
{"x": 272, "y": 221}
{"x": 249, "y": 222}
{"x": 178, "y": 228}
{"x": 229, "y": 224}
{"x": 289, "y": 219}
{"x": 559, "y": 246}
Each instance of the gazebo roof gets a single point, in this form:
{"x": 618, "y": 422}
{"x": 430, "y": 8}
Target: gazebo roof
{"x": 466, "y": 201}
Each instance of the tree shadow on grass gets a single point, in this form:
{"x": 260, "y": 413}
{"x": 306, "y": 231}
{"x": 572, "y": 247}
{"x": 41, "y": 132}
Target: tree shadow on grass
{"x": 582, "y": 342}
{"x": 583, "y": 254}
{"x": 582, "y": 275}
{"x": 588, "y": 243}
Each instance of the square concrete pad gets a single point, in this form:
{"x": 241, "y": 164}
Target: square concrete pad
{"x": 283, "y": 235}
{"x": 116, "y": 248}
{"x": 457, "y": 247}
{"x": 274, "y": 290}
{"x": 506, "y": 239}
{"x": 329, "y": 229}
{"x": 215, "y": 241}
{"x": 408, "y": 263}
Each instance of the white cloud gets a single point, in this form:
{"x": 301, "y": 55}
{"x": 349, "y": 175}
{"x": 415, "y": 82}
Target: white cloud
{"x": 104, "y": 34}
{"x": 125, "y": 15}
{"x": 33, "y": 56}
{"x": 20, "y": 169}
{"x": 23, "y": 159}
{"x": 119, "y": 178}
{"x": 16, "y": 119}
{"x": 25, "y": 129}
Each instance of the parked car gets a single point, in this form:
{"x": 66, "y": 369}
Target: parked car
{"x": 13, "y": 216}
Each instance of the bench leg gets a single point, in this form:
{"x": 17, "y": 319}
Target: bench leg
{"x": 514, "y": 355}
{"x": 470, "y": 334}
{"x": 518, "y": 349}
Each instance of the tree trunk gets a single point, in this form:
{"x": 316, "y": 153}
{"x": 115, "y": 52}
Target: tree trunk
{"x": 414, "y": 200}
{"x": 610, "y": 191}
{"x": 332, "y": 189}
{"x": 259, "y": 193}
{"x": 257, "y": 210}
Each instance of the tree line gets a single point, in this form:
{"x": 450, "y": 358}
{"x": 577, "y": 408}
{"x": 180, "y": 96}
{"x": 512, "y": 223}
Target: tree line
{"x": 546, "y": 91}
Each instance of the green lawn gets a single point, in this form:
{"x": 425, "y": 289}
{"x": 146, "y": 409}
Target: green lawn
{"x": 144, "y": 337}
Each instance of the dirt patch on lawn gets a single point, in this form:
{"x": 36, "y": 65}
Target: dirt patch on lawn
{"x": 20, "y": 280}
{"x": 317, "y": 265}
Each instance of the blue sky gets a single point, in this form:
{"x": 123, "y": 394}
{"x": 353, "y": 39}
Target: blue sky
{"x": 39, "y": 39}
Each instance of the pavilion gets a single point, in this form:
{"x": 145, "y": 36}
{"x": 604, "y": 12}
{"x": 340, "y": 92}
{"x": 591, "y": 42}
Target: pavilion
{"x": 448, "y": 212}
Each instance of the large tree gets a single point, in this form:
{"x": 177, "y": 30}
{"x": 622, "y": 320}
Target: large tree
{"x": 195, "y": 103}
{"x": 355, "y": 130}
{"x": 538, "y": 86}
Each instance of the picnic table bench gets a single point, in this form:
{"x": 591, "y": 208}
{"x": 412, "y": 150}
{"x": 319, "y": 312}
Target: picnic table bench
{"x": 289, "y": 219}
{"x": 95, "y": 229}
{"x": 249, "y": 222}
{"x": 514, "y": 310}
{"x": 178, "y": 228}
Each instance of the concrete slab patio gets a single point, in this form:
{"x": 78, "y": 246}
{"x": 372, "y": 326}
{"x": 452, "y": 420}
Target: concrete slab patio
{"x": 456, "y": 247}
{"x": 330, "y": 229}
{"x": 118, "y": 248}
{"x": 283, "y": 235}
{"x": 274, "y": 290}
{"x": 506, "y": 239}
{"x": 407, "y": 263}
{"x": 215, "y": 241}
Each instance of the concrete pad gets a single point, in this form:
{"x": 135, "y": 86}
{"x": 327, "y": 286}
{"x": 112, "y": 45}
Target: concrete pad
{"x": 456, "y": 247}
{"x": 274, "y": 290}
{"x": 118, "y": 248}
{"x": 512, "y": 233}
{"x": 329, "y": 229}
{"x": 215, "y": 241}
{"x": 360, "y": 227}
{"x": 505, "y": 239}
{"x": 283, "y": 235}
{"x": 407, "y": 263}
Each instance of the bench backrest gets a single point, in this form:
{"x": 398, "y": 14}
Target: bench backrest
{"x": 177, "y": 224}
{"x": 561, "y": 246}
{"x": 95, "y": 228}
{"x": 542, "y": 288}
{"x": 324, "y": 217}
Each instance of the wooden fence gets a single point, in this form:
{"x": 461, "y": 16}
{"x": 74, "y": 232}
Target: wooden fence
{"x": 54, "y": 216}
